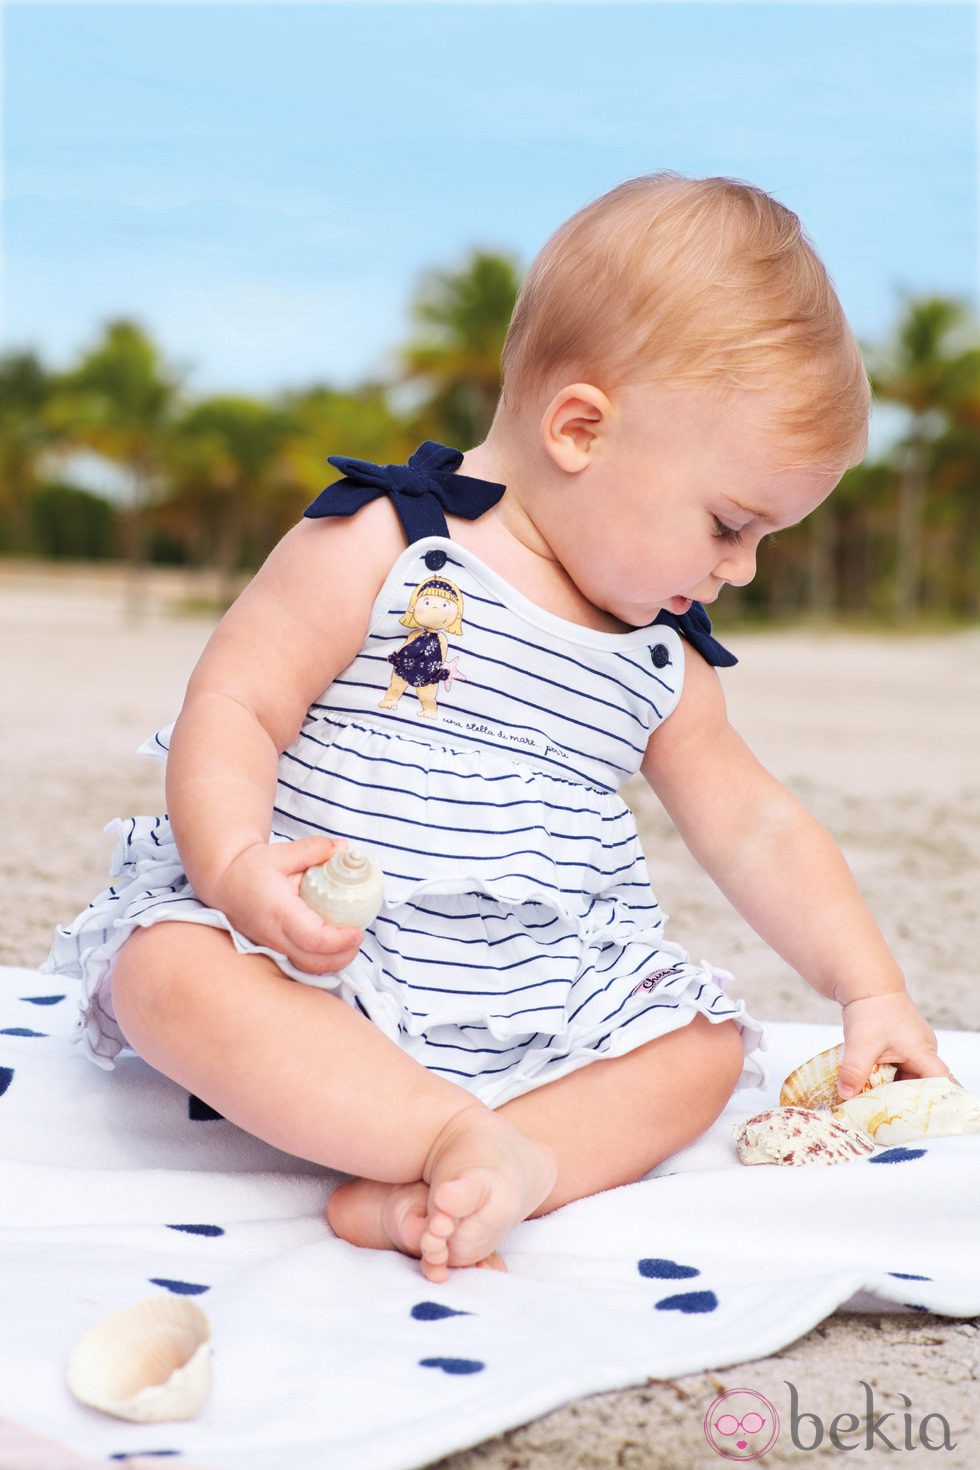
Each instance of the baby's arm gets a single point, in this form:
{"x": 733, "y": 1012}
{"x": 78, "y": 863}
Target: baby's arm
{"x": 294, "y": 628}
{"x": 786, "y": 876}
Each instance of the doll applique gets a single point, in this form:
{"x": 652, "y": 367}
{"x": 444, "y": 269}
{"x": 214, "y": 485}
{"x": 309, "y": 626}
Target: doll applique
{"x": 435, "y": 609}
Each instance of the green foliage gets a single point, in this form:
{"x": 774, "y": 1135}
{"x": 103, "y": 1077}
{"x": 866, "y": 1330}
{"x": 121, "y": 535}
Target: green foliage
{"x": 218, "y": 481}
{"x": 462, "y": 317}
{"x": 69, "y": 523}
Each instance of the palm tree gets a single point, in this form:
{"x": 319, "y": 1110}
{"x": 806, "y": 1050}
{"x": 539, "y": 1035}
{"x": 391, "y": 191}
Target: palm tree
{"x": 120, "y": 401}
{"x": 25, "y": 433}
{"x": 463, "y": 317}
{"x": 228, "y": 470}
{"x": 921, "y": 369}
{"x": 358, "y": 422}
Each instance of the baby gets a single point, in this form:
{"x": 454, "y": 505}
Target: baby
{"x": 514, "y": 1030}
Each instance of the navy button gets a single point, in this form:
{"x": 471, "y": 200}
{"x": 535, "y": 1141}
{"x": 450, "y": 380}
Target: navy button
{"x": 435, "y": 560}
{"x": 660, "y": 655}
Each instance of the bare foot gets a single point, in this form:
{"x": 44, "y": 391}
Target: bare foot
{"x": 484, "y": 1176}
{"x": 387, "y": 1217}
{"x": 381, "y": 1216}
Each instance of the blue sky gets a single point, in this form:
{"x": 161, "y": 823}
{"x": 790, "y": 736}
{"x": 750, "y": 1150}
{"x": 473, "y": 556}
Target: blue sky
{"x": 262, "y": 184}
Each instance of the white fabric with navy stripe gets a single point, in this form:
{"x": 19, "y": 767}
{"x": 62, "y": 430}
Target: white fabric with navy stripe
{"x": 520, "y": 937}
{"x": 114, "y": 1188}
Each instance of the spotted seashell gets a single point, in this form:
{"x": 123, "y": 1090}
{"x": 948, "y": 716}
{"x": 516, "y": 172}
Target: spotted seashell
{"x": 918, "y": 1107}
{"x": 148, "y": 1363}
{"x": 794, "y": 1135}
{"x": 814, "y": 1083}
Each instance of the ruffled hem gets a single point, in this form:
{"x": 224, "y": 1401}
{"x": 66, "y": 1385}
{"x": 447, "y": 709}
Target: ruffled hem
{"x": 560, "y": 990}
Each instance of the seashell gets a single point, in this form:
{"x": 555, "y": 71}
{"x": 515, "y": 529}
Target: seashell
{"x": 148, "y": 1363}
{"x": 917, "y": 1107}
{"x": 793, "y": 1135}
{"x": 814, "y": 1083}
{"x": 348, "y": 889}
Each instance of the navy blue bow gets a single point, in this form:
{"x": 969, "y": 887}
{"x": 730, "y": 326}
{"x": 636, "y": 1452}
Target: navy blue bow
{"x": 422, "y": 491}
{"x": 695, "y": 625}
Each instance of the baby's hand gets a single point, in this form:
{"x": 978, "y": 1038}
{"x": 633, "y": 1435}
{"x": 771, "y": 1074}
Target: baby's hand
{"x": 886, "y": 1028}
{"x": 259, "y": 892}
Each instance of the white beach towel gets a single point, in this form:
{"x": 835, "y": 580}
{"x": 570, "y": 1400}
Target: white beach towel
{"x": 114, "y": 1187}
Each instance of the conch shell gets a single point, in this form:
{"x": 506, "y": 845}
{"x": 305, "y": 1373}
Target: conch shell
{"x": 814, "y": 1083}
{"x": 148, "y": 1363}
{"x": 919, "y": 1107}
{"x": 348, "y": 889}
{"x": 794, "y": 1135}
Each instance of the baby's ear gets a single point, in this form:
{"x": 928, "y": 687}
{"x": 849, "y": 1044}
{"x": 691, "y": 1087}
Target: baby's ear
{"x": 572, "y": 425}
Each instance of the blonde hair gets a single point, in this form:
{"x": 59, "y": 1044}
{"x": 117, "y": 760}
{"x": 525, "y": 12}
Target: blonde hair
{"x": 668, "y": 279}
{"x": 440, "y": 587}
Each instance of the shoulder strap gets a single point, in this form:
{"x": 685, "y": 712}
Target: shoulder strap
{"x": 422, "y": 491}
{"x": 695, "y": 626}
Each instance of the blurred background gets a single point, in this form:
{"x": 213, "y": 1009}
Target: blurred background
{"x": 240, "y": 237}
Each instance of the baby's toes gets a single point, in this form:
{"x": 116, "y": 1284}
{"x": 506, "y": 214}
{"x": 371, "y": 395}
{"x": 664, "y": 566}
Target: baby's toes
{"x": 463, "y": 1197}
{"x": 440, "y": 1223}
{"x": 434, "y": 1247}
{"x": 434, "y": 1256}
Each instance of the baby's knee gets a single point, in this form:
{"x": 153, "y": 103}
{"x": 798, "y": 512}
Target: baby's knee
{"x": 722, "y": 1055}
{"x": 151, "y": 983}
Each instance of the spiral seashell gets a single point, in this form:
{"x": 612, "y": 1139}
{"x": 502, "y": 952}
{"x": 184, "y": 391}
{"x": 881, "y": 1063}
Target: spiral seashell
{"x": 918, "y": 1107}
{"x": 148, "y": 1363}
{"x": 348, "y": 889}
{"x": 792, "y": 1135}
{"x": 813, "y": 1084}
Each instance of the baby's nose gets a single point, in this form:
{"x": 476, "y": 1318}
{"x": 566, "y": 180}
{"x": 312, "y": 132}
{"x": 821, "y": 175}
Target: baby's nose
{"x": 737, "y": 566}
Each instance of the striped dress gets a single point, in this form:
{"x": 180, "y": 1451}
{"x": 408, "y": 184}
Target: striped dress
{"x": 519, "y": 938}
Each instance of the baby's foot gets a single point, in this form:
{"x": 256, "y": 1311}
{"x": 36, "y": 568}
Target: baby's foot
{"x": 484, "y": 1176}
{"x": 380, "y": 1216}
{"x": 386, "y": 1217}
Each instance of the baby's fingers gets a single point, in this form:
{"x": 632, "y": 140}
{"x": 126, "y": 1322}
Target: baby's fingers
{"x": 859, "y": 1062}
{"x": 924, "y": 1063}
{"x": 304, "y": 852}
{"x": 856, "y": 1067}
{"x": 316, "y": 947}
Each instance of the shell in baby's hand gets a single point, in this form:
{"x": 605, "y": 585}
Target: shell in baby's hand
{"x": 148, "y": 1363}
{"x": 814, "y": 1083}
{"x": 918, "y": 1107}
{"x": 348, "y": 889}
{"x": 794, "y": 1135}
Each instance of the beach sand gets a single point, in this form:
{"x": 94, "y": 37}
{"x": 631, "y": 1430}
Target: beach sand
{"x": 877, "y": 735}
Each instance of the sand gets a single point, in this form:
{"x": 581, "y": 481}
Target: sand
{"x": 878, "y": 735}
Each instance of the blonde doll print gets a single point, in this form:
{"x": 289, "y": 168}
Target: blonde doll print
{"x": 435, "y": 609}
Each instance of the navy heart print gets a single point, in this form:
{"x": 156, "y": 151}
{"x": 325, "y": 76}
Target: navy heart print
{"x": 897, "y": 1155}
{"x": 435, "y": 1312}
{"x": 661, "y": 1269}
{"x": 453, "y": 1365}
{"x": 689, "y": 1302}
{"x": 179, "y": 1288}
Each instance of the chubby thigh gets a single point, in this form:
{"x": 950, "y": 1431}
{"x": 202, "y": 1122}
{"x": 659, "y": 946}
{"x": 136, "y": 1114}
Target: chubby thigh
{"x": 310, "y": 1074}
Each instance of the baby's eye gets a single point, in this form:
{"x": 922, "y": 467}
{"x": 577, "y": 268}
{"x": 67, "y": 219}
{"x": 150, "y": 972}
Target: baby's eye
{"x": 726, "y": 533}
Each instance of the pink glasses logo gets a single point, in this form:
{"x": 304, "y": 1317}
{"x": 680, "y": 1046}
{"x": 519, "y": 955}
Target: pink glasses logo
{"x": 741, "y": 1425}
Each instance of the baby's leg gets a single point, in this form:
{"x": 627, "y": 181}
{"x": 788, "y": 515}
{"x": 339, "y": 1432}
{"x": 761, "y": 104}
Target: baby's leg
{"x": 607, "y": 1124}
{"x": 301, "y": 1069}
{"x": 612, "y": 1121}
